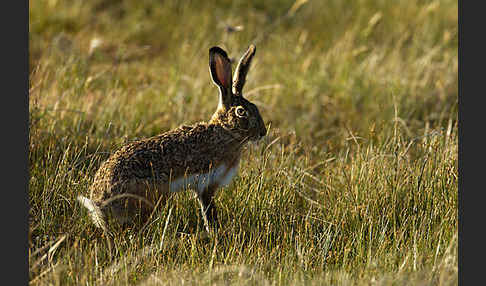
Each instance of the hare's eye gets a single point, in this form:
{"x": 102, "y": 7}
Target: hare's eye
{"x": 240, "y": 111}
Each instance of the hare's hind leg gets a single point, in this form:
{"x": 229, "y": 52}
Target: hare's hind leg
{"x": 208, "y": 209}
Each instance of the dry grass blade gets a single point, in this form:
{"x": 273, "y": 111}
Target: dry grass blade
{"x": 49, "y": 253}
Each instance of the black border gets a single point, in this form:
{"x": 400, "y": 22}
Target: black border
{"x": 15, "y": 140}
{"x": 470, "y": 155}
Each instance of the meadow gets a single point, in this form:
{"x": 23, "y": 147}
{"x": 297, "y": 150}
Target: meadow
{"x": 356, "y": 182}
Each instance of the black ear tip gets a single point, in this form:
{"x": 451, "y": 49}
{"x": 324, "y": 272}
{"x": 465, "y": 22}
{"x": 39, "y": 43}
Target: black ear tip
{"x": 217, "y": 50}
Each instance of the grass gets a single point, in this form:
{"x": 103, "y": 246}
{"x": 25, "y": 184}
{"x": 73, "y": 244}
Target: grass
{"x": 355, "y": 184}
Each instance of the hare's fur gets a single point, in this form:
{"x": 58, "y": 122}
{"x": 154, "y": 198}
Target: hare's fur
{"x": 201, "y": 157}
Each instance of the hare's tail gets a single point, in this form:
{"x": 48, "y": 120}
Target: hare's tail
{"x": 95, "y": 212}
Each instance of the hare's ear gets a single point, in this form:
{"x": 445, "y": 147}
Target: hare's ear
{"x": 242, "y": 70}
{"x": 220, "y": 69}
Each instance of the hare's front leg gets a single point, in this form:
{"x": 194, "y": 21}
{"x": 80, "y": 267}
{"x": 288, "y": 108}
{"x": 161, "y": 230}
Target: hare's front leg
{"x": 208, "y": 208}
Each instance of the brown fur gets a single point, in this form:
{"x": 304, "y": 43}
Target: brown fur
{"x": 132, "y": 181}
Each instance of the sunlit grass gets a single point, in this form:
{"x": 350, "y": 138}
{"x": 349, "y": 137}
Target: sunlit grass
{"x": 355, "y": 184}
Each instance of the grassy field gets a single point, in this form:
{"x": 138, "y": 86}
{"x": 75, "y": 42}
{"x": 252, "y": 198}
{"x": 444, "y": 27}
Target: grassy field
{"x": 355, "y": 183}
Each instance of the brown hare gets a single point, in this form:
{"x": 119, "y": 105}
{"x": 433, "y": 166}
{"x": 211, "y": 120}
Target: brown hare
{"x": 201, "y": 157}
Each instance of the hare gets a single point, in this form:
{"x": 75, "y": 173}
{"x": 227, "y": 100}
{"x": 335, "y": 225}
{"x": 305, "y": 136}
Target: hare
{"x": 202, "y": 157}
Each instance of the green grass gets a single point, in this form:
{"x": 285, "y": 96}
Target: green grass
{"x": 355, "y": 184}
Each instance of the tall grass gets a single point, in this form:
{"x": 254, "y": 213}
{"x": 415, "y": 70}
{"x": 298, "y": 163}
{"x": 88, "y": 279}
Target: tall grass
{"x": 355, "y": 184}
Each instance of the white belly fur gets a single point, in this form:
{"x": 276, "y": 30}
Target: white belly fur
{"x": 199, "y": 182}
